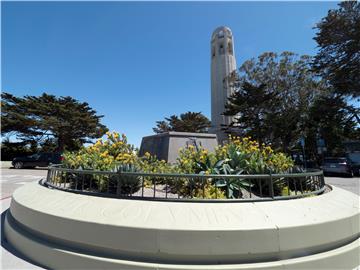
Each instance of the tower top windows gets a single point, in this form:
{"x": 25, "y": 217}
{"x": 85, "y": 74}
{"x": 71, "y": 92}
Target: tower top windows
{"x": 221, "y": 32}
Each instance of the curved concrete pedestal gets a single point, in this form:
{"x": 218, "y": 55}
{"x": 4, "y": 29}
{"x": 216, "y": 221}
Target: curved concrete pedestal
{"x": 65, "y": 230}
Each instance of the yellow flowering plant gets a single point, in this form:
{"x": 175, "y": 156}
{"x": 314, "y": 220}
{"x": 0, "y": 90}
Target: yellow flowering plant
{"x": 238, "y": 156}
{"x": 247, "y": 155}
{"x": 102, "y": 155}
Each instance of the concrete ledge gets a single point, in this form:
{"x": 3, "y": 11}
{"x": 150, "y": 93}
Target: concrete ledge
{"x": 176, "y": 235}
{"x": 55, "y": 257}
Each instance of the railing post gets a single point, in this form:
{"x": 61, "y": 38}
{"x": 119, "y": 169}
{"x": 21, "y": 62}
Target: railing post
{"x": 118, "y": 185}
{"x": 48, "y": 175}
{"x": 271, "y": 188}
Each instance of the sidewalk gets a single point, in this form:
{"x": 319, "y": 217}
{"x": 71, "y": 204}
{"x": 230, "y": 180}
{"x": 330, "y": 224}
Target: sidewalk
{"x": 6, "y": 164}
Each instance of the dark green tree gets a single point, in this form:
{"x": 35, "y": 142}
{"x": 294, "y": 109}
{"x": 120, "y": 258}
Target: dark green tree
{"x": 338, "y": 38}
{"x": 252, "y": 107}
{"x": 187, "y": 122}
{"x": 333, "y": 120}
{"x": 48, "y": 120}
{"x": 9, "y": 149}
{"x": 272, "y": 96}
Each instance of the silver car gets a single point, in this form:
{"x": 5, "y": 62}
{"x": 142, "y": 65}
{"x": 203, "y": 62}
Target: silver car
{"x": 337, "y": 166}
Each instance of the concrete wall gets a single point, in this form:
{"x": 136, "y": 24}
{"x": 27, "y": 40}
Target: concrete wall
{"x": 66, "y": 230}
{"x": 166, "y": 145}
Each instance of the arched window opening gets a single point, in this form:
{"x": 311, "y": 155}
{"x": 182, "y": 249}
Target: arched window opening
{"x": 221, "y": 49}
{"x": 230, "y": 48}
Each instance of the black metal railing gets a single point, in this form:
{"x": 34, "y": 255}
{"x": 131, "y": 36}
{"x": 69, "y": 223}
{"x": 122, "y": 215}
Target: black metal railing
{"x": 185, "y": 187}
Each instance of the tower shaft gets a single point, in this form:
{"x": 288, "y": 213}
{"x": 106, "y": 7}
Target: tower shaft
{"x": 223, "y": 63}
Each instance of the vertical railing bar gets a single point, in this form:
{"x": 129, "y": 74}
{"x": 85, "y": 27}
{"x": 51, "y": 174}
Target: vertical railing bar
{"x": 260, "y": 187}
{"x": 58, "y": 183}
{"x": 318, "y": 182}
{"x": 76, "y": 181}
{"x": 58, "y": 179}
{"x": 216, "y": 191}
{"x": 131, "y": 187}
{"x": 271, "y": 187}
{"x": 227, "y": 188}
{"x": 48, "y": 175}
{"x": 120, "y": 183}
{"x": 51, "y": 176}
{"x": 83, "y": 180}
{"x": 166, "y": 187}
{"x": 55, "y": 178}
{"x": 307, "y": 184}
{"x": 191, "y": 187}
{"x": 142, "y": 186}
{"x": 203, "y": 187}
{"x": 288, "y": 185}
{"x": 64, "y": 184}
{"x": 154, "y": 180}
{"x": 294, "y": 181}
{"x": 90, "y": 183}
{"x": 108, "y": 183}
{"x": 250, "y": 188}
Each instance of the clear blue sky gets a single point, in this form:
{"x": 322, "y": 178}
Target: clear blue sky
{"x": 136, "y": 63}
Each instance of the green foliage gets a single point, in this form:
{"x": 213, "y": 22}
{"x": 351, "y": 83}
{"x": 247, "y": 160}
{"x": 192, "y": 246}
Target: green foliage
{"x": 338, "y": 58}
{"x": 280, "y": 99}
{"x": 239, "y": 156}
{"x": 64, "y": 120}
{"x": 103, "y": 155}
{"x": 331, "y": 118}
{"x": 9, "y": 150}
{"x": 271, "y": 98}
{"x": 188, "y": 122}
{"x": 126, "y": 184}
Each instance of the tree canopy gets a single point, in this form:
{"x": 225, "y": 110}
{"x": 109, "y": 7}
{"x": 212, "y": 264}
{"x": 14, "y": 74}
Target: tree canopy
{"x": 49, "y": 120}
{"x": 272, "y": 95}
{"x": 187, "y": 122}
{"x": 279, "y": 99}
{"x": 338, "y": 38}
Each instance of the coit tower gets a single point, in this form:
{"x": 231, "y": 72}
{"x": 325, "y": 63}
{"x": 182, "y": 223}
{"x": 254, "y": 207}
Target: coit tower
{"x": 223, "y": 63}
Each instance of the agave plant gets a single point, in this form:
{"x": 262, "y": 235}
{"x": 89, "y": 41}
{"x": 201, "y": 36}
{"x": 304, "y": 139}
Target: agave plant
{"x": 235, "y": 164}
{"x": 125, "y": 184}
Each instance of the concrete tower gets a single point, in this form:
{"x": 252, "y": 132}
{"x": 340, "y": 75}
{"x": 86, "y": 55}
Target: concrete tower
{"x": 222, "y": 64}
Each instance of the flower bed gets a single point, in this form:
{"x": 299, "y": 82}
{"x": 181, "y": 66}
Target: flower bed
{"x": 239, "y": 157}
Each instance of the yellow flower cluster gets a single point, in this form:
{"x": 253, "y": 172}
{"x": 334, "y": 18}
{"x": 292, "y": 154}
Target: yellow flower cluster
{"x": 258, "y": 158}
{"x": 103, "y": 154}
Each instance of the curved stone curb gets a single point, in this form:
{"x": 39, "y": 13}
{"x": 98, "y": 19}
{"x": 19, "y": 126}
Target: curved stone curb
{"x": 78, "y": 231}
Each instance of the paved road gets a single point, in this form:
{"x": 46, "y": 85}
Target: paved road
{"x": 12, "y": 179}
{"x": 350, "y": 184}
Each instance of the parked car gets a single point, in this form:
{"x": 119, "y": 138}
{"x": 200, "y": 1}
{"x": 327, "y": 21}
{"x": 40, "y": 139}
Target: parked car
{"x": 39, "y": 159}
{"x": 354, "y": 157}
{"x": 337, "y": 165}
